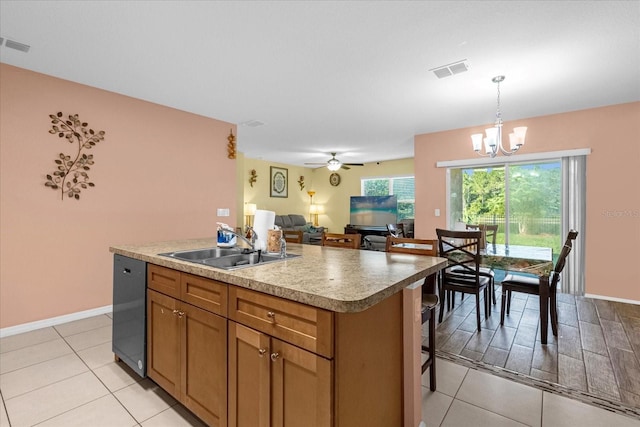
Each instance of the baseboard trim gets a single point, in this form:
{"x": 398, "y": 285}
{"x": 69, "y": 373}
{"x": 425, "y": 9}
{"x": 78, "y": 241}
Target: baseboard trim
{"x": 626, "y": 301}
{"x": 45, "y": 323}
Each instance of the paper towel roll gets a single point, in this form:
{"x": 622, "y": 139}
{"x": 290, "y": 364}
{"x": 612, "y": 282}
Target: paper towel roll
{"x": 263, "y": 221}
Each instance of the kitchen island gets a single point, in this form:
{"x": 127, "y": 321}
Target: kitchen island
{"x": 316, "y": 340}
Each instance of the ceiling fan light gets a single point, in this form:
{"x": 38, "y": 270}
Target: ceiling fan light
{"x": 333, "y": 164}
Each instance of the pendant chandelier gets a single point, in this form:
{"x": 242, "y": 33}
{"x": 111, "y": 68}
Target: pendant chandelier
{"x": 493, "y": 139}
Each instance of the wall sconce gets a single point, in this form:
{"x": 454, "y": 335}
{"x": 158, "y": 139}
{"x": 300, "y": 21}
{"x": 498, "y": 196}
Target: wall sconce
{"x": 253, "y": 177}
{"x": 301, "y": 182}
{"x": 249, "y": 212}
{"x": 314, "y": 210}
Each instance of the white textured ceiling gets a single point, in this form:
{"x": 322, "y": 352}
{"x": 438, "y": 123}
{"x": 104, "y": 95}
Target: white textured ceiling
{"x": 349, "y": 77}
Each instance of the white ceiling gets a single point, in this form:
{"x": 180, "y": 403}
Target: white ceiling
{"x": 350, "y": 77}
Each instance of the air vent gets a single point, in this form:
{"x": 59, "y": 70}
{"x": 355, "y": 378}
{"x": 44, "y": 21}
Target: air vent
{"x": 252, "y": 123}
{"x": 15, "y": 45}
{"x": 451, "y": 69}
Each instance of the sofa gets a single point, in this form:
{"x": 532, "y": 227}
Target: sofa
{"x": 378, "y": 243}
{"x": 295, "y": 222}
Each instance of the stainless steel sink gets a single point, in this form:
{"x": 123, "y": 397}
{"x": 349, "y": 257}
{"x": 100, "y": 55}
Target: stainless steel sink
{"x": 201, "y": 254}
{"x": 227, "y": 258}
{"x": 233, "y": 262}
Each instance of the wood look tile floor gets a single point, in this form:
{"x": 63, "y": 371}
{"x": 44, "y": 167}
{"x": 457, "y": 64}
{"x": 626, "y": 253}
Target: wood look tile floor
{"x": 597, "y": 350}
{"x": 66, "y": 376}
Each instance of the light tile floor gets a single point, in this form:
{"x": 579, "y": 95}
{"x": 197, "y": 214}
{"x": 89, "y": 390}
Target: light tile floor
{"x": 66, "y": 376}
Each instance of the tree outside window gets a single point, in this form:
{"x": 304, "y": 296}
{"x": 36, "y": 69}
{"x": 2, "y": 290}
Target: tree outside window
{"x": 401, "y": 187}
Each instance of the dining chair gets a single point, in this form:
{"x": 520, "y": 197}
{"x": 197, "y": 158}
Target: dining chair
{"x": 352, "y": 241}
{"x": 531, "y": 285}
{"x": 292, "y": 236}
{"x": 396, "y": 230}
{"x": 430, "y": 300}
{"x": 407, "y": 245}
{"x": 489, "y": 232}
{"x": 462, "y": 250}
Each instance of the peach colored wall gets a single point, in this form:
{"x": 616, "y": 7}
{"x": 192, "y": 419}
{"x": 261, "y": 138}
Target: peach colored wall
{"x": 613, "y": 175}
{"x": 160, "y": 174}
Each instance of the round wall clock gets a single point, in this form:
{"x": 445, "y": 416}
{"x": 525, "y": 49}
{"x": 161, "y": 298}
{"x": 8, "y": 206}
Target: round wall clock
{"x": 334, "y": 179}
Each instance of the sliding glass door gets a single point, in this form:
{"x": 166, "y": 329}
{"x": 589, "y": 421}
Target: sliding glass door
{"x": 525, "y": 200}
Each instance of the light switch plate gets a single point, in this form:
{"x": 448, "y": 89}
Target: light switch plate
{"x": 223, "y": 211}
{"x": 437, "y": 212}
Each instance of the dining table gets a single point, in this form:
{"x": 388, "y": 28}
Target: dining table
{"x": 533, "y": 260}
{"x": 523, "y": 259}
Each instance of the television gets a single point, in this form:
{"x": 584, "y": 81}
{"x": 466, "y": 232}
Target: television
{"x": 373, "y": 210}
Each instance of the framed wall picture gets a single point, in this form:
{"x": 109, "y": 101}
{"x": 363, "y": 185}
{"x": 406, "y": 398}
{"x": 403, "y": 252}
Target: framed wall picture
{"x": 279, "y": 186}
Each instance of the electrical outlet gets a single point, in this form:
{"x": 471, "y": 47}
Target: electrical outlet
{"x": 437, "y": 212}
{"x": 223, "y": 211}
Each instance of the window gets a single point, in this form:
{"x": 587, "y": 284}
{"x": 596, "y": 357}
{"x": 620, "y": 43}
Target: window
{"x": 536, "y": 187}
{"x": 401, "y": 187}
{"x": 525, "y": 200}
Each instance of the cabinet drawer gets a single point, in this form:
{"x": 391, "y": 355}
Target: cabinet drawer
{"x": 204, "y": 293}
{"x": 308, "y": 327}
{"x": 163, "y": 280}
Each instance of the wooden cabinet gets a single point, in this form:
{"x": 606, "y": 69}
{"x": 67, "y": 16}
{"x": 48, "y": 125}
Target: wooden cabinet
{"x": 276, "y": 384}
{"x": 186, "y": 344}
{"x": 280, "y": 372}
{"x": 163, "y": 342}
{"x": 308, "y": 327}
{"x": 249, "y": 377}
{"x": 273, "y": 362}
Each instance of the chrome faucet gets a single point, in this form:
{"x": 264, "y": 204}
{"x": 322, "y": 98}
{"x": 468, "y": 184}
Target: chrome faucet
{"x": 252, "y": 242}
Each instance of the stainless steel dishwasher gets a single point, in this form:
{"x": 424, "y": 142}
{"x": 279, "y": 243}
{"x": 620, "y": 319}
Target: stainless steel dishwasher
{"x": 129, "y": 312}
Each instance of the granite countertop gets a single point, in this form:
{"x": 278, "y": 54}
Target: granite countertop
{"x": 335, "y": 279}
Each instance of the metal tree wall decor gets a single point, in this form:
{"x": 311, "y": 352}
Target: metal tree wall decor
{"x": 71, "y": 174}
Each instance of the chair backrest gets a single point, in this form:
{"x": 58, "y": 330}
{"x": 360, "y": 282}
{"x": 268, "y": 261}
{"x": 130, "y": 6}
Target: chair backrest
{"x": 412, "y": 246}
{"x": 396, "y": 230}
{"x": 292, "y": 236}
{"x": 461, "y": 250}
{"x": 490, "y": 231}
{"x": 352, "y": 241}
{"x": 566, "y": 249}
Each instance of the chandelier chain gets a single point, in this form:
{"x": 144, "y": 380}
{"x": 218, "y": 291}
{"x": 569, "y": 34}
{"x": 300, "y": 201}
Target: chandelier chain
{"x": 498, "y": 111}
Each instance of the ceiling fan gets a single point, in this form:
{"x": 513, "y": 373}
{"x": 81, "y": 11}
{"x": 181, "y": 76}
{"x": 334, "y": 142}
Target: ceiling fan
{"x": 334, "y": 164}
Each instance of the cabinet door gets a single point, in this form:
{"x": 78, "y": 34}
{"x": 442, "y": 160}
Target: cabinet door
{"x": 204, "y": 364}
{"x": 163, "y": 342}
{"x": 301, "y": 387}
{"x": 249, "y": 382}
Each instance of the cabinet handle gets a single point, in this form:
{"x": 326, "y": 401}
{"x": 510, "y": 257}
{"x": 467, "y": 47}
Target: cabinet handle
{"x": 180, "y": 314}
{"x": 275, "y": 356}
{"x": 271, "y": 315}
{"x": 176, "y": 311}
{"x": 262, "y": 351}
